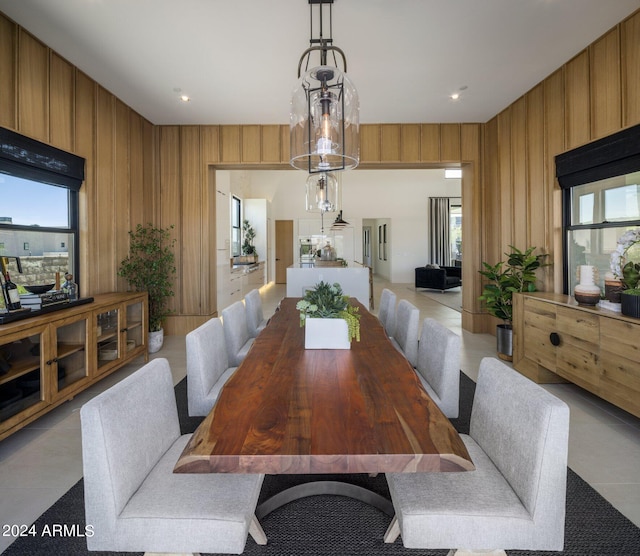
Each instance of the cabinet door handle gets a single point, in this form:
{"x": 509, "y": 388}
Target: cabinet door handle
{"x": 123, "y": 329}
{"x": 554, "y": 338}
{"x": 52, "y": 361}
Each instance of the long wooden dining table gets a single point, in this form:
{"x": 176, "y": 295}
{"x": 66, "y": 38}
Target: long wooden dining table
{"x": 291, "y": 410}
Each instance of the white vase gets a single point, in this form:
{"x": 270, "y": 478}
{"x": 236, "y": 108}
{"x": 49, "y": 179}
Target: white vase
{"x": 586, "y": 292}
{"x": 156, "y": 339}
{"x": 326, "y": 334}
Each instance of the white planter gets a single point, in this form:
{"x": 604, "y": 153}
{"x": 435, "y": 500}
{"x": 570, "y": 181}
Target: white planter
{"x": 326, "y": 334}
{"x": 156, "y": 339}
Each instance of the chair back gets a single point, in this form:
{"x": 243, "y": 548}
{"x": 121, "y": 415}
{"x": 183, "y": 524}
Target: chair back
{"x": 255, "y": 316}
{"x": 524, "y": 430}
{"x": 125, "y": 431}
{"x": 406, "y": 334}
{"x": 236, "y": 333}
{"x": 439, "y": 353}
{"x": 387, "y": 311}
{"x": 207, "y": 361}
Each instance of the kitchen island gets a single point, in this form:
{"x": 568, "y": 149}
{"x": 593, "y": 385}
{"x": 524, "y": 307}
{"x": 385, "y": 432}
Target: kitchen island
{"x": 354, "y": 280}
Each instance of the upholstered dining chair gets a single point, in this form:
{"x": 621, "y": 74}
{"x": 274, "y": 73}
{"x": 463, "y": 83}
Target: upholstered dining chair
{"x": 405, "y": 337}
{"x": 438, "y": 366}
{"x": 207, "y": 366}
{"x": 236, "y": 332}
{"x": 130, "y": 443}
{"x": 515, "y": 498}
{"x": 255, "y": 317}
{"x": 387, "y": 311}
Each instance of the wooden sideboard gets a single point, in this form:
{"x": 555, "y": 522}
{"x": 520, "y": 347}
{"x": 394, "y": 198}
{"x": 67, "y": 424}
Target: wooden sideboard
{"x": 557, "y": 340}
{"x": 48, "y": 359}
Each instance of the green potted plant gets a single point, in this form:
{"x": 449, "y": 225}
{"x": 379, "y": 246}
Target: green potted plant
{"x": 518, "y": 274}
{"x": 248, "y": 249}
{"x": 628, "y": 272}
{"x": 330, "y": 321}
{"x": 150, "y": 266}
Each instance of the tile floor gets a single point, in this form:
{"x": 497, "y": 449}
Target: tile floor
{"x": 42, "y": 461}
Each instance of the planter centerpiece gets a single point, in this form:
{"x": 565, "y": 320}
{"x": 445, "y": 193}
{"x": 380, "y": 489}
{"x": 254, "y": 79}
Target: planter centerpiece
{"x": 150, "y": 267}
{"x": 628, "y": 272}
{"x": 330, "y": 321}
{"x": 519, "y": 275}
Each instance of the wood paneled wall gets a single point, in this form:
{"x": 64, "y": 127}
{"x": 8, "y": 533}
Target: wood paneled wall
{"x": 591, "y": 96}
{"x": 138, "y": 172}
{"x": 45, "y": 97}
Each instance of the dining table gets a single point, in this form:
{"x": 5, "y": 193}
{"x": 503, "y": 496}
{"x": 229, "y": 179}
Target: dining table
{"x": 291, "y": 410}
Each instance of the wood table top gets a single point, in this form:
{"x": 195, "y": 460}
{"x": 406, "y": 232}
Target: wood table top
{"x": 289, "y": 410}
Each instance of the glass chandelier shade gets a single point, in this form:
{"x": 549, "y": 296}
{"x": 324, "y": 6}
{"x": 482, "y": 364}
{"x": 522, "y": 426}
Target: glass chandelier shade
{"x": 323, "y": 193}
{"x": 324, "y": 125}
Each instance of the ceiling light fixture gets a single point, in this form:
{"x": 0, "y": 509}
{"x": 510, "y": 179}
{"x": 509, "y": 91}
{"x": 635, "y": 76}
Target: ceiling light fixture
{"x": 322, "y": 193}
{"x": 339, "y": 223}
{"x": 324, "y": 124}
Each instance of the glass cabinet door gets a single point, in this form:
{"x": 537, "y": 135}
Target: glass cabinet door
{"x": 108, "y": 337}
{"x": 134, "y": 331}
{"x": 22, "y": 380}
{"x": 70, "y": 363}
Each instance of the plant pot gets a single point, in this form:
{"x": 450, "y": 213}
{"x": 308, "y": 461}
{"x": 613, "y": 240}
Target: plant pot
{"x": 504, "y": 341}
{"x": 326, "y": 334}
{"x": 630, "y": 305}
{"x": 156, "y": 339}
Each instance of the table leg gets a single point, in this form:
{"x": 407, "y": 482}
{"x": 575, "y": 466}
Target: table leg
{"x": 317, "y": 488}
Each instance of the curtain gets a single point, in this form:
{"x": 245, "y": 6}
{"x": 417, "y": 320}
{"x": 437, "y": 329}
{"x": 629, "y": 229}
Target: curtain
{"x": 439, "y": 219}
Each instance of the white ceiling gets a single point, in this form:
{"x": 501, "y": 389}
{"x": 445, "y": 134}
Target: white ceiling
{"x": 238, "y": 59}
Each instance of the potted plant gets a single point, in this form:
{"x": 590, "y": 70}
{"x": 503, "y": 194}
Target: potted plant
{"x": 628, "y": 273}
{"x": 248, "y": 249}
{"x": 517, "y": 275}
{"x": 330, "y": 321}
{"x": 150, "y": 267}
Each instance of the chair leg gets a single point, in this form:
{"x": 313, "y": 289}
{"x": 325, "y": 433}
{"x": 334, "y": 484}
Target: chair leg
{"x": 467, "y": 552}
{"x": 256, "y": 531}
{"x": 393, "y": 531}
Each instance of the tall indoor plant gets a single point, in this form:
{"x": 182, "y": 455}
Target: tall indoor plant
{"x": 518, "y": 274}
{"x": 150, "y": 266}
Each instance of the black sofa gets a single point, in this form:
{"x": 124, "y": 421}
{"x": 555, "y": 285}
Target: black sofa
{"x": 438, "y": 278}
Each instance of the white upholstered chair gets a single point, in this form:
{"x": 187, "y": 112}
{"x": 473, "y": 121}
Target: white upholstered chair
{"x": 515, "y": 498}
{"x": 438, "y": 366}
{"x": 255, "y": 317}
{"x": 236, "y": 332}
{"x": 207, "y": 366}
{"x": 387, "y": 311}
{"x": 405, "y": 337}
{"x": 130, "y": 443}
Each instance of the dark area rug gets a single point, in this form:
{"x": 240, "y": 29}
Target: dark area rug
{"x": 339, "y": 526}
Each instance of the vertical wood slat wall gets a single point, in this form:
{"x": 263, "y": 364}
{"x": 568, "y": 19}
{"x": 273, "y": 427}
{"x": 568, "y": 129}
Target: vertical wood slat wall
{"x": 138, "y": 172}
{"x": 591, "y": 96}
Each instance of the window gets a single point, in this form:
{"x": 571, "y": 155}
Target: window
{"x": 600, "y": 213}
{"x": 601, "y": 200}
{"x": 236, "y": 227}
{"x": 39, "y": 212}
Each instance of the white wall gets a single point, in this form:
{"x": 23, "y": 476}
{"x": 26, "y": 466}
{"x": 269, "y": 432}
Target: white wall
{"x": 399, "y": 197}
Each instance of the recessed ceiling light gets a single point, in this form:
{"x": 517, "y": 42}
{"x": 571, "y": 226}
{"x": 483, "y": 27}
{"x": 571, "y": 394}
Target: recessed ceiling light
{"x": 454, "y": 96}
{"x": 185, "y": 98}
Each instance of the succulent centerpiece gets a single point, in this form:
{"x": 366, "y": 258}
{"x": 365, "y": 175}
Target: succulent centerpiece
{"x": 327, "y": 302}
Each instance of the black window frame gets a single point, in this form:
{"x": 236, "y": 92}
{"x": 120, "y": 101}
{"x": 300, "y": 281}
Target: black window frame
{"x": 615, "y": 155}
{"x": 29, "y": 159}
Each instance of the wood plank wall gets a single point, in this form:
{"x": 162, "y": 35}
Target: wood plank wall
{"x": 138, "y": 172}
{"x": 591, "y": 96}
{"x": 45, "y": 97}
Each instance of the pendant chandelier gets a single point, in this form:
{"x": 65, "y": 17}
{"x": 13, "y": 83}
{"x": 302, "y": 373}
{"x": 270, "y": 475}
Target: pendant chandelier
{"x": 324, "y": 124}
{"x": 323, "y": 193}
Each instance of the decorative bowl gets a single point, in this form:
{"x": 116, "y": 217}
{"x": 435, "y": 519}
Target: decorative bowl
{"x": 39, "y": 289}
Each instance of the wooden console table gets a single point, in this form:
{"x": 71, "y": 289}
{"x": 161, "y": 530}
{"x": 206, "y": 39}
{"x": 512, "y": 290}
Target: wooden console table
{"x": 557, "y": 340}
{"x": 49, "y": 358}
